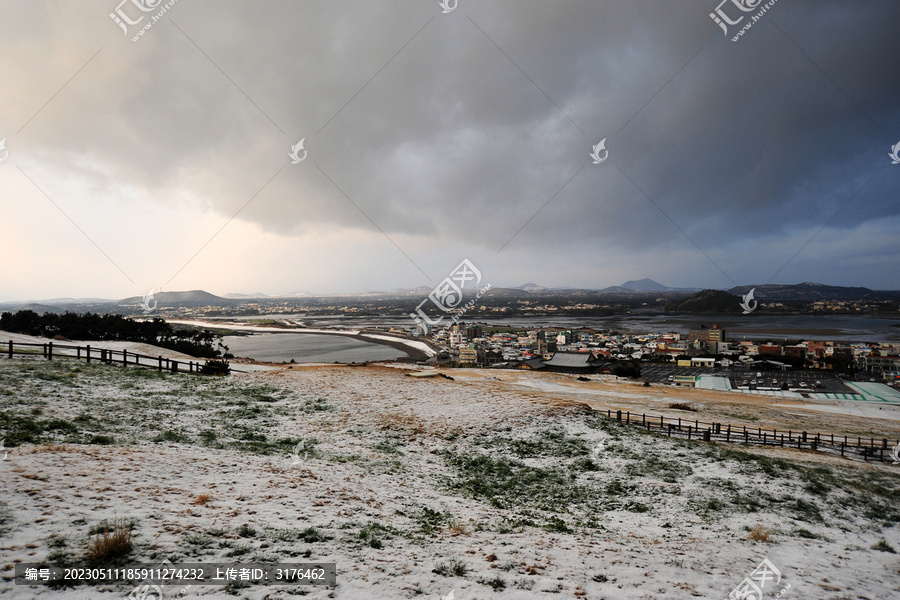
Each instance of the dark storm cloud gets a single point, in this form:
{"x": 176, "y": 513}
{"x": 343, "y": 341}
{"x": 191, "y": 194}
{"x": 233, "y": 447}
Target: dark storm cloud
{"x": 423, "y": 121}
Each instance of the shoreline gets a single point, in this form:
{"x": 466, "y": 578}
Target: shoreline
{"x": 415, "y": 349}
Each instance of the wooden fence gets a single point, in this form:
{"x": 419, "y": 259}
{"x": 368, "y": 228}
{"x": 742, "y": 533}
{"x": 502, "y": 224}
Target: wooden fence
{"x": 124, "y": 358}
{"x": 847, "y": 446}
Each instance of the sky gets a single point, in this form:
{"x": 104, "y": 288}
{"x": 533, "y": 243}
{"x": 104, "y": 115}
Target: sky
{"x": 430, "y": 137}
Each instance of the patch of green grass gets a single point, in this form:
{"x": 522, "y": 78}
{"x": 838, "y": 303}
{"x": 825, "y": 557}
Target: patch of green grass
{"x": 549, "y": 442}
{"x": 807, "y": 534}
{"x": 172, "y": 436}
{"x": 452, "y": 568}
{"x": 496, "y": 583}
{"x": 24, "y": 430}
{"x": 431, "y": 521}
{"x": 111, "y": 525}
{"x": 806, "y": 511}
{"x": 667, "y": 470}
{"x": 316, "y": 405}
{"x": 372, "y": 535}
{"x": 239, "y": 550}
{"x": 311, "y": 534}
{"x": 507, "y": 483}
{"x": 246, "y": 531}
{"x": 102, "y": 440}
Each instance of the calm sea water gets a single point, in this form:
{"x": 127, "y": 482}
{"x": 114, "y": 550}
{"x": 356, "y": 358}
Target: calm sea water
{"x": 307, "y": 347}
{"x": 848, "y": 328}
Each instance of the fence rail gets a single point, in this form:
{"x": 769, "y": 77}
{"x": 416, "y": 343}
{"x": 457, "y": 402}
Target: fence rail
{"x": 858, "y": 448}
{"x": 124, "y": 358}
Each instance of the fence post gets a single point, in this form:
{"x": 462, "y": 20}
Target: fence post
{"x": 174, "y": 366}
{"x": 88, "y": 355}
{"x": 160, "y": 364}
{"x": 728, "y": 433}
{"x": 44, "y": 350}
{"x": 78, "y": 352}
{"x": 689, "y": 432}
{"x": 628, "y": 416}
{"x": 661, "y": 426}
{"x": 50, "y": 351}
{"x": 124, "y": 358}
{"x": 706, "y": 435}
{"x": 618, "y": 415}
{"x": 643, "y": 419}
{"x": 10, "y": 348}
{"x": 803, "y": 436}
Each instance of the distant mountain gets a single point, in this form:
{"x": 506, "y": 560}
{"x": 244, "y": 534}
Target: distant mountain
{"x": 644, "y": 285}
{"x": 192, "y": 298}
{"x": 811, "y": 292}
{"x": 707, "y": 301}
{"x": 239, "y": 296}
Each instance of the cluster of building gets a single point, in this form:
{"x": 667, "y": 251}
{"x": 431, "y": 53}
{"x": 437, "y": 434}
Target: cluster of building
{"x": 589, "y": 350}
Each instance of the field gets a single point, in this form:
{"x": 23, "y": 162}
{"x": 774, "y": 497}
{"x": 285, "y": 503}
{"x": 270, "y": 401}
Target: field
{"x": 483, "y": 486}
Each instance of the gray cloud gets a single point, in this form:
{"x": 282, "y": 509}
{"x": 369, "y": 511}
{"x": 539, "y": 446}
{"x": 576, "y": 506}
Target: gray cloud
{"x": 751, "y": 148}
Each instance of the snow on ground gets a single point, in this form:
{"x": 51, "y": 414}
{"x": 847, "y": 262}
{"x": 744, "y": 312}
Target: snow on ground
{"x": 420, "y": 487}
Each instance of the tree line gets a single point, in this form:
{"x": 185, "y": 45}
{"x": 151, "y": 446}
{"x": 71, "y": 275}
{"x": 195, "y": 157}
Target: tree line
{"x": 101, "y": 328}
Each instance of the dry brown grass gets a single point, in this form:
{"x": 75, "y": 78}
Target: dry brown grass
{"x": 202, "y": 500}
{"x": 759, "y": 534}
{"x": 110, "y": 544}
{"x": 401, "y": 423}
{"x": 456, "y": 527}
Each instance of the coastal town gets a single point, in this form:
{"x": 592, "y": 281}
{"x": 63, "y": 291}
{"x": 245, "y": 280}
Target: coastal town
{"x": 705, "y": 349}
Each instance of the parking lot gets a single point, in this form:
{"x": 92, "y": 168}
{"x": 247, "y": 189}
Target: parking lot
{"x": 827, "y": 382}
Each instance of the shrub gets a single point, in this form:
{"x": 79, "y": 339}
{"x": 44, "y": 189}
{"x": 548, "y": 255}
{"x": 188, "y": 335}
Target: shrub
{"x": 883, "y": 546}
{"x": 496, "y": 583}
{"x": 110, "y": 545}
{"x": 759, "y": 534}
{"x": 452, "y": 568}
{"x": 682, "y": 406}
{"x": 216, "y": 367}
